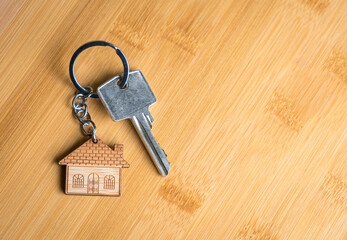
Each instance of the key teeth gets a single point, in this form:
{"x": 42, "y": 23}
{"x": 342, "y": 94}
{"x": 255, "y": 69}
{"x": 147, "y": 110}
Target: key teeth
{"x": 164, "y": 152}
{"x": 165, "y": 156}
{"x": 150, "y": 117}
{"x": 149, "y": 120}
{"x": 142, "y": 120}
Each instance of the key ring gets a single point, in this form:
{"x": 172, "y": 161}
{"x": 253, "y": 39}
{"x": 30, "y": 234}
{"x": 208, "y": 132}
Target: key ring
{"x": 93, "y": 44}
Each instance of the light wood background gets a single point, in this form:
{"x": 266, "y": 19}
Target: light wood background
{"x": 251, "y": 111}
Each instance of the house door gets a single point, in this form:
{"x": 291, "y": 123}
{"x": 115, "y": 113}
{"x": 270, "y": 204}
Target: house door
{"x": 93, "y": 183}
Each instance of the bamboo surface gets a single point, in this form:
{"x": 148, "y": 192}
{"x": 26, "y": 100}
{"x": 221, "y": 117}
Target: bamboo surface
{"x": 251, "y": 111}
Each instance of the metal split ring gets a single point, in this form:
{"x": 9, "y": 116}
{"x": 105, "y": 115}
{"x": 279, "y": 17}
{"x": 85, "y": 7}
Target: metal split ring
{"x": 93, "y": 44}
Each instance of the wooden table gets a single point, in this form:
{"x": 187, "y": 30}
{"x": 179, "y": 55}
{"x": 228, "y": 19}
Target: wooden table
{"x": 251, "y": 111}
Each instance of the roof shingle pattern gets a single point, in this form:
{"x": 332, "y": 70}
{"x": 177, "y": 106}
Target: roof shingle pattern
{"x": 96, "y": 154}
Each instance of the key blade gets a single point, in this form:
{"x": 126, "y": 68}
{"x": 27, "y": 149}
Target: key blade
{"x": 143, "y": 126}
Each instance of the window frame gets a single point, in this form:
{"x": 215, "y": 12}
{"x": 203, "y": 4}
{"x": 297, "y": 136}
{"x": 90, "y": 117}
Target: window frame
{"x": 110, "y": 182}
{"x": 78, "y": 181}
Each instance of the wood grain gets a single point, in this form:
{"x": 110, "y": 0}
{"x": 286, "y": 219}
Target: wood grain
{"x": 251, "y": 111}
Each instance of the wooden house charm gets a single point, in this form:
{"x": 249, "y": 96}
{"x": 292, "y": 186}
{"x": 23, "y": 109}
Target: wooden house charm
{"x": 94, "y": 169}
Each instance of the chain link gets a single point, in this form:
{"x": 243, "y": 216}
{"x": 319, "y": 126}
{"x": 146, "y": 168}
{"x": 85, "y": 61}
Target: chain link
{"x": 80, "y": 110}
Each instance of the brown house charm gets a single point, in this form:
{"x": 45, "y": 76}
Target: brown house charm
{"x": 94, "y": 169}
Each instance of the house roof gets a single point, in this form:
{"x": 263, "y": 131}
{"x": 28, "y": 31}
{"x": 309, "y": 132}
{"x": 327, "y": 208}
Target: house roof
{"x": 96, "y": 154}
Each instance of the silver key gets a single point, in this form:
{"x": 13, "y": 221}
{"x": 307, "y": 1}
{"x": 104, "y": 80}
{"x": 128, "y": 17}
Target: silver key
{"x": 133, "y": 103}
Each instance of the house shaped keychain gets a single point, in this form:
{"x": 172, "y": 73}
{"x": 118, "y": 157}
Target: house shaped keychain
{"x": 94, "y": 169}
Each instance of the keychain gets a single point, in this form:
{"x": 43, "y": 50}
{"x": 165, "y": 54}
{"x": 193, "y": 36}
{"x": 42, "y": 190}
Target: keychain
{"x": 94, "y": 168}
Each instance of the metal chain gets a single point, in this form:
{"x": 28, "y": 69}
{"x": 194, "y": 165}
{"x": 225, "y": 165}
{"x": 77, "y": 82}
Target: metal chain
{"x": 80, "y": 110}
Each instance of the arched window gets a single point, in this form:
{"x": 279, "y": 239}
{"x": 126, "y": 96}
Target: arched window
{"x": 109, "y": 182}
{"x": 78, "y": 181}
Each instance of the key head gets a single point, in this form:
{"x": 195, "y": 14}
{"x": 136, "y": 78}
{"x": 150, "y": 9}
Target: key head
{"x": 124, "y": 103}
